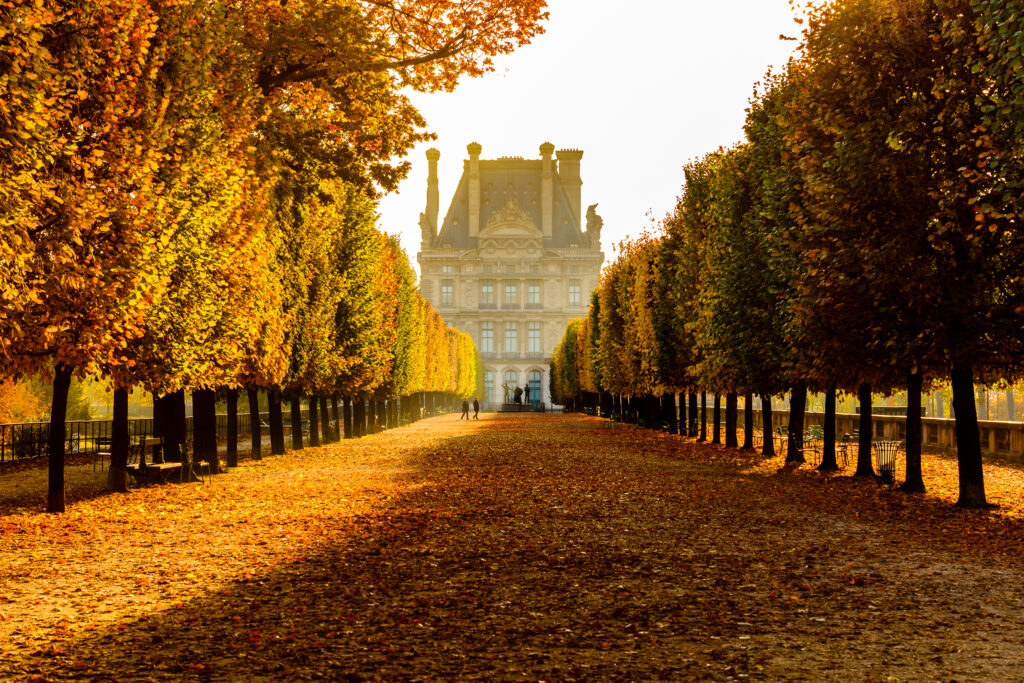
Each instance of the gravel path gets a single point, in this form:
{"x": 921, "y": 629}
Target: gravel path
{"x": 523, "y": 547}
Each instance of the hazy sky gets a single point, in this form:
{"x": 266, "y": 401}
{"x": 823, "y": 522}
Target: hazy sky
{"x": 641, "y": 87}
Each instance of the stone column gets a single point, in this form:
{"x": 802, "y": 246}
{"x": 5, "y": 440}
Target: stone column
{"x": 474, "y": 149}
{"x": 547, "y": 189}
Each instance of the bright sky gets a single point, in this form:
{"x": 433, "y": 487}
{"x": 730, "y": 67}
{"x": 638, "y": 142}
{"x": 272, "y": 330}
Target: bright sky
{"x": 641, "y": 87}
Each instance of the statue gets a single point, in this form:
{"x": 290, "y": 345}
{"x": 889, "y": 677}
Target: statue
{"x": 594, "y": 225}
{"x": 508, "y": 390}
{"x": 426, "y": 229}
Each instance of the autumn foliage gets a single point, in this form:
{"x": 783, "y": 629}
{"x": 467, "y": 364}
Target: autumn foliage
{"x": 865, "y": 236}
{"x": 187, "y": 193}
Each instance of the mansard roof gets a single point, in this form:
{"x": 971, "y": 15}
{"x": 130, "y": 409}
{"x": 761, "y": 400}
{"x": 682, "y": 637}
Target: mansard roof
{"x": 501, "y": 180}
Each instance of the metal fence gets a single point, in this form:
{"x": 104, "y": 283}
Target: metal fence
{"x": 31, "y": 439}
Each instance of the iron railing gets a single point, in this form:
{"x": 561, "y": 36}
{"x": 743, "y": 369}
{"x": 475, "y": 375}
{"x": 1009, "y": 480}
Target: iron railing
{"x": 31, "y": 439}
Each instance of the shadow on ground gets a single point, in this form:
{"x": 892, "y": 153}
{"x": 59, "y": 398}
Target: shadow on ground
{"x": 569, "y": 549}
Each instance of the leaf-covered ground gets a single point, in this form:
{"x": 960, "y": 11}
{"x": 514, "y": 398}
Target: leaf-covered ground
{"x": 522, "y": 548}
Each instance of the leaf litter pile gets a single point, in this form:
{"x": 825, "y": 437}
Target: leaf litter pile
{"x": 527, "y": 548}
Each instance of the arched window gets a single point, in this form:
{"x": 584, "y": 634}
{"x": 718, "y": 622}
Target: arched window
{"x": 535, "y": 377}
{"x": 511, "y": 382}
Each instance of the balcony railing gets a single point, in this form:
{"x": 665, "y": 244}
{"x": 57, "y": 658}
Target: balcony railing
{"x": 488, "y": 307}
{"x": 535, "y": 307}
{"x": 510, "y": 307}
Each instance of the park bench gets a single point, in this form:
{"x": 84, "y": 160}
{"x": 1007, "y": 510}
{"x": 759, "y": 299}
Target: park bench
{"x": 196, "y": 469}
{"x": 141, "y": 471}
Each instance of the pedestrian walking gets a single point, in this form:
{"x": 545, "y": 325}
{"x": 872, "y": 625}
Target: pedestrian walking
{"x": 465, "y": 409}
{"x": 476, "y": 408}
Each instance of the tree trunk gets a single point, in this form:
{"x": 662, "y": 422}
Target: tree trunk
{"x": 276, "y": 422}
{"x": 717, "y": 429}
{"x": 865, "y": 468}
{"x": 55, "y": 458}
{"x": 255, "y": 429}
{"x": 359, "y": 418}
{"x": 983, "y": 404}
{"x": 172, "y": 425}
{"x": 325, "y": 421}
{"x": 767, "y": 428}
{"x": 296, "y": 406}
{"x": 692, "y": 415}
{"x": 204, "y": 426}
{"x": 703, "y": 436}
{"x": 797, "y": 407}
{"x": 1011, "y": 406}
{"x": 652, "y": 417}
{"x": 336, "y": 416}
{"x": 670, "y": 412}
{"x": 119, "y": 444}
{"x": 748, "y": 422}
{"x": 828, "y": 446}
{"x": 915, "y": 481}
{"x": 314, "y": 423}
{"x": 731, "y": 418}
{"x": 968, "y": 439}
{"x": 346, "y": 412}
{"x": 371, "y": 417}
{"x": 684, "y": 419}
{"x": 232, "y": 446}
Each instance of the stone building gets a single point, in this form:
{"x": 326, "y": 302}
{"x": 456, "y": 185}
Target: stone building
{"x": 514, "y": 260}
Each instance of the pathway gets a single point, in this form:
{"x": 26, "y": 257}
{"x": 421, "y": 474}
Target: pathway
{"x": 520, "y": 547}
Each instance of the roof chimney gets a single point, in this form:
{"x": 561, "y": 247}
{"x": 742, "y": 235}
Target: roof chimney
{"x": 474, "y": 150}
{"x": 433, "y": 200}
{"x": 569, "y": 172}
{"x": 547, "y": 188}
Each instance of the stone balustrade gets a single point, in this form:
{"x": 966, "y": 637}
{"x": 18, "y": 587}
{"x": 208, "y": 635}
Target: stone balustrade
{"x": 998, "y": 438}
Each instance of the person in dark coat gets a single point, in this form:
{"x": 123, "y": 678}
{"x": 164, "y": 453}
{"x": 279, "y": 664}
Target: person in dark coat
{"x": 465, "y": 409}
{"x": 476, "y": 409}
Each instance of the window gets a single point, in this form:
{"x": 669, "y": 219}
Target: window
{"x": 446, "y": 269}
{"x": 511, "y": 339}
{"x": 510, "y": 269}
{"x": 533, "y": 293}
{"x": 574, "y": 293}
{"x": 534, "y": 268}
{"x": 534, "y": 384}
{"x": 489, "y": 385}
{"x": 487, "y": 293}
{"x": 486, "y": 337}
{"x": 511, "y": 294}
{"x": 447, "y": 293}
{"x": 533, "y": 340}
{"x": 488, "y": 269}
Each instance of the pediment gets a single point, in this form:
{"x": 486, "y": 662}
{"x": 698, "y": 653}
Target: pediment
{"x": 510, "y": 221}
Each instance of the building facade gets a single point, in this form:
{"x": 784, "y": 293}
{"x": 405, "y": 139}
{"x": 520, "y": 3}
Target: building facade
{"x": 513, "y": 261}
